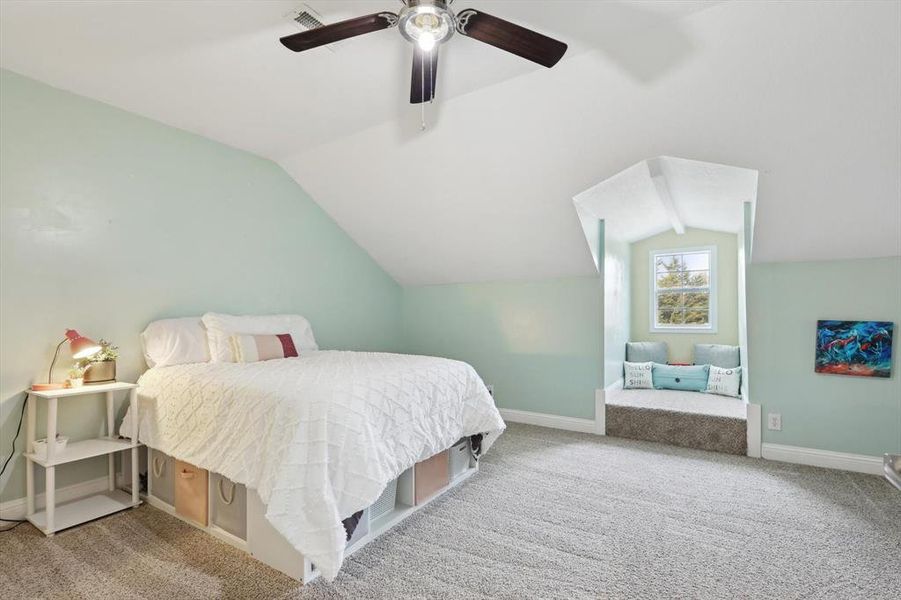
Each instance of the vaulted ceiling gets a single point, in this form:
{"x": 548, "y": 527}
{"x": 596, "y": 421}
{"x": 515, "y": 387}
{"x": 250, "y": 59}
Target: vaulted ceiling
{"x": 807, "y": 94}
{"x": 666, "y": 193}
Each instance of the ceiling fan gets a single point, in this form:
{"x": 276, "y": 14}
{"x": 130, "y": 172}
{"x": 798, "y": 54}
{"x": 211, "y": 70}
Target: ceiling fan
{"x": 428, "y": 24}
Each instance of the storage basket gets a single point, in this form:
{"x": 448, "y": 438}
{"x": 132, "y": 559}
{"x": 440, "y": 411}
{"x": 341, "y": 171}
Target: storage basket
{"x": 228, "y": 501}
{"x": 191, "y": 488}
{"x": 459, "y": 458}
{"x": 386, "y": 501}
{"x": 429, "y": 476}
{"x": 162, "y": 477}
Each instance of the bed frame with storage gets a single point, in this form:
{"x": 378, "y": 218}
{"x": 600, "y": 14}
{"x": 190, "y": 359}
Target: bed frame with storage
{"x": 236, "y": 515}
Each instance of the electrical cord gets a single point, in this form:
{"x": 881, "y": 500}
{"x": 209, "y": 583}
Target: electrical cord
{"x": 12, "y": 453}
{"x": 17, "y": 523}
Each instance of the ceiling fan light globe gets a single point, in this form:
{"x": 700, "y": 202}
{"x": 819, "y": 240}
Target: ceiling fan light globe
{"x": 426, "y": 21}
{"x": 430, "y": 19}
{"x": 426, "y": 41}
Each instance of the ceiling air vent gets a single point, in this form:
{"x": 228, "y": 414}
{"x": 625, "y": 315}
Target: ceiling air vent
{"x": 305, "y": 19}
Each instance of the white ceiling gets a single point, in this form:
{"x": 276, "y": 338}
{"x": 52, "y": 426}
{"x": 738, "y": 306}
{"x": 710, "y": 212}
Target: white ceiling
{"x": 665, "y": 193}
{"x": 808, "y": 94}
{"x": 698, "y": 194}
{"x": 217, "y": 68}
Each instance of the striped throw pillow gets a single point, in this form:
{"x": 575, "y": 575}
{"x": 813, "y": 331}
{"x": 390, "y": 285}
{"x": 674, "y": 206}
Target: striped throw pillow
{"x": 253, "y": 348}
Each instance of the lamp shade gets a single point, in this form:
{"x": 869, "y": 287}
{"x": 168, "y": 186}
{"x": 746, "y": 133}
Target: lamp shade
{"x": 81, "y": 346}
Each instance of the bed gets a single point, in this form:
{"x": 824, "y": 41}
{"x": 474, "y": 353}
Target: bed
{"x": 314, "y": 439}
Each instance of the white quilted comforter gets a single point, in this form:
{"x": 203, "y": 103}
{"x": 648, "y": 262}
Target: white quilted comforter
{"x": 318, "y": 436}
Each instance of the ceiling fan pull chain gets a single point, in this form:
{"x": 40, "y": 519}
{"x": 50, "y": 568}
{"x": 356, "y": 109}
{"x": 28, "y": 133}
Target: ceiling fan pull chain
{"x": 431, "y": 77}
{"x": 422, "y": 95}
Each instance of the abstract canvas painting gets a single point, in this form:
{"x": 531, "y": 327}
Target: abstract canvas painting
{"x": 859, "y": 348}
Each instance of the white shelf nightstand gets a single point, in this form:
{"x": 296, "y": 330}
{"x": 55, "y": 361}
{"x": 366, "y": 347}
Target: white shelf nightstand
{"x": 55, "y": 518}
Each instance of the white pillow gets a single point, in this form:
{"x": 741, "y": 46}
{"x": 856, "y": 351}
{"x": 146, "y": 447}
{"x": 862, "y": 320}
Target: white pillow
{"x": 175, "y": 342}
{"x": 725, "y": 382}
{"x": 638, "y": 376}
{"x": 220, "y": 328}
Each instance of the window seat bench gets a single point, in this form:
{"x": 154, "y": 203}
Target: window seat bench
{"x": 687, "y": 419}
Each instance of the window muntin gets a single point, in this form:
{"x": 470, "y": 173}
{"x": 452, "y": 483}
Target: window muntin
{"x": 684, "y": 297}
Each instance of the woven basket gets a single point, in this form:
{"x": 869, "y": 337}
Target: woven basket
{"x": 386, "y": 501}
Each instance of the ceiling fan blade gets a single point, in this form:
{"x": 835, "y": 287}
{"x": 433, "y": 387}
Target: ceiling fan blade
{"x": 336, "y": 32}
{"x": 425, "y": 75}
{"x": 508, "y": 36}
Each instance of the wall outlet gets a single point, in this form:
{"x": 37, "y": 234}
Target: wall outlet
{"x": 774, "y": 421}
{"x": 490, "y": 389}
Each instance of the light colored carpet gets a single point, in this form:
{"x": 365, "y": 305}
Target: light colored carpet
{"x": 552, "y": 515}
{"x": 688, "y": 402}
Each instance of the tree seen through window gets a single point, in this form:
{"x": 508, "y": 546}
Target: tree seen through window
{"x": 682, "y": 289}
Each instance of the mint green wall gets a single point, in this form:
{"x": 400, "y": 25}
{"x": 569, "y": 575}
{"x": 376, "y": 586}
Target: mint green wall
{"x": 537, "y": 342}
{"x": 617, "y": 306}
{"x": 110, "y": 220}
{"x": 745, "y": 237}
{"x": 829, "y": 412}
{"x": 681, "y": 345}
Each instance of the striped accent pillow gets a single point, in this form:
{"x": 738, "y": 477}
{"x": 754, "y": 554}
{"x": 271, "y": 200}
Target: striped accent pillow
{"x": 253, "y": 348}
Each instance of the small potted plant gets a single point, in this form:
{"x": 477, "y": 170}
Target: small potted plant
{"x": 76, "y": 376}
{"x": 101, "y": 368}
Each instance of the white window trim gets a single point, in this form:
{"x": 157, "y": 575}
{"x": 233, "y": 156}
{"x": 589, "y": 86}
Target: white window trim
{"x": 714, "y": 276}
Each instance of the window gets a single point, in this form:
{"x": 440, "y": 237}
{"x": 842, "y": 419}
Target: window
{"x": 684, "y": 290}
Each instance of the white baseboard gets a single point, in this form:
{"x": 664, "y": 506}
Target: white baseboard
{"x": 858, "y": 463}
{"x": 600, "y": 412}
{"x": 15, "y": 509}
{"x": 546, "y": 420}
{"x": 753, "y": 416}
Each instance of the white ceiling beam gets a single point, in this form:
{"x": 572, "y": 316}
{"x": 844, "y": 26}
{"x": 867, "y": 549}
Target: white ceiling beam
{"x": 655, "y": 170}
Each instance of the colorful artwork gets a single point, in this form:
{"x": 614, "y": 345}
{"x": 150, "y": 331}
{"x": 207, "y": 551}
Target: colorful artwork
{"x": 861, "y": 348}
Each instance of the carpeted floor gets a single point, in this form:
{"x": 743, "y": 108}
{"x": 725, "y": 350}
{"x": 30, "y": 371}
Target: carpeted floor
{"x": 688, "y": 430}
{"x": 552, "y": 515}
{"x": 687, "y": 419}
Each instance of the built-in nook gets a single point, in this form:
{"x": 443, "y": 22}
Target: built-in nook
{"x": 672, "y": 238}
